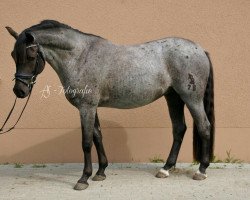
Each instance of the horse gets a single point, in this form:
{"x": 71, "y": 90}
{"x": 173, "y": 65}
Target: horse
{"x": 123, "y": 77}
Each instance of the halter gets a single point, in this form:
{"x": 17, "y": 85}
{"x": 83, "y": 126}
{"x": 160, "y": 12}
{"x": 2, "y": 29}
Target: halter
{"x": 31, "y": 81}
{"x": 31, "y": 78}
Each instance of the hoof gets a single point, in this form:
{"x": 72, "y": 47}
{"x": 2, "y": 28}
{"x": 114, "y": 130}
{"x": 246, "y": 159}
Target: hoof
{"x": 199, "y": 176}
{"x": 81, "y": 186}
{"x": 162, "y": 173}
{"x": 99, "y": 177}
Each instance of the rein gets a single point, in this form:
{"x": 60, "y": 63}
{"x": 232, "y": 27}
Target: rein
{"x": 7, "y": 119}
{"x": 22, "y": 78}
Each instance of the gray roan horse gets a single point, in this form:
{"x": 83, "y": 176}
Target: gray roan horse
{"x": 122, "y": 77}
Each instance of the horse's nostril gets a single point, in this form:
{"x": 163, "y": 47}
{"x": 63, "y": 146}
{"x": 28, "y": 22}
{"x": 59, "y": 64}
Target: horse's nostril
{"x": 19, "y": 93}
{"x": 22, "y": 93}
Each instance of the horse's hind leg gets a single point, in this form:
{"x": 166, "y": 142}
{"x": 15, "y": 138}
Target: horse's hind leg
{"x": 103, "y": 162}
{"x": 203, "y": 126}
{"x": 176, "y": 111}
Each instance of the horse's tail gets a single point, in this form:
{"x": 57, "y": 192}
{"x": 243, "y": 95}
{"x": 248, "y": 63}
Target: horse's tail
{"x": 209, "y": 109}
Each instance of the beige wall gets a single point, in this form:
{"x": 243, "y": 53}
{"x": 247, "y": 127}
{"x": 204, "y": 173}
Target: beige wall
{"x": 50, "y": 128}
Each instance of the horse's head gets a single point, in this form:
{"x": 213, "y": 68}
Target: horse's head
{"x": 29, "y": 61}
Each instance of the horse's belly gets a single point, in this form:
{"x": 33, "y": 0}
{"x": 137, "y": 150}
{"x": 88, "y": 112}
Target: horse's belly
{"x": 134, "y": 93}
{"x": 129, "y": 99}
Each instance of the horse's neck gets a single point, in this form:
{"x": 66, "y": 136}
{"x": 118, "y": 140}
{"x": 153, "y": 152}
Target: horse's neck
{"x": 62, "y": 48}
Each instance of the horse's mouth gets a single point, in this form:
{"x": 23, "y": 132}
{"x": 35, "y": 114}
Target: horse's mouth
{"x": 20, "y": 93}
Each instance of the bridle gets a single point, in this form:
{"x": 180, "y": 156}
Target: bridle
{"x": 29, "y": 80}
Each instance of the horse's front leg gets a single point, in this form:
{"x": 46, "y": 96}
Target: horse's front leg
{"x": 103, "y": 162}
{"x": 87, "y": 114}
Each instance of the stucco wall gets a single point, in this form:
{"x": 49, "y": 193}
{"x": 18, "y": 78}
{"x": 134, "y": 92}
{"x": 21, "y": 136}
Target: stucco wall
{"x": 50, "y": 128}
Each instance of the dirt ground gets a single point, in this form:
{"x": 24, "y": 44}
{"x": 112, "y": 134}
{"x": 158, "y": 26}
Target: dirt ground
{"x": 124, "y": 181}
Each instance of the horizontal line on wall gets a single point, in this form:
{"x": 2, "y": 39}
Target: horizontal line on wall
{"x": 123, "y": 127}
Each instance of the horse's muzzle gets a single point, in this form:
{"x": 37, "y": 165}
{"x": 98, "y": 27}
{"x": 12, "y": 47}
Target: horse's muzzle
{"x": 21, "y": 91}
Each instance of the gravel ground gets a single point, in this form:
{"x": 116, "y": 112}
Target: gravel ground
{"x": 124, "y": 181}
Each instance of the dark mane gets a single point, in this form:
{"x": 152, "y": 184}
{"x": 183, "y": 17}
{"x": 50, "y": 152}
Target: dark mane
{"x": 49, "y": 24}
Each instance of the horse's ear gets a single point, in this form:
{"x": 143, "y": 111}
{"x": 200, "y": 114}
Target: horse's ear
{"x": 30, "y": 37}
{"x": 12, "y": 32}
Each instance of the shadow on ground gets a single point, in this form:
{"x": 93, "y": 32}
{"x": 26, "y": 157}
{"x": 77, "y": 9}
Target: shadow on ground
{"x": 65, "y": 147}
